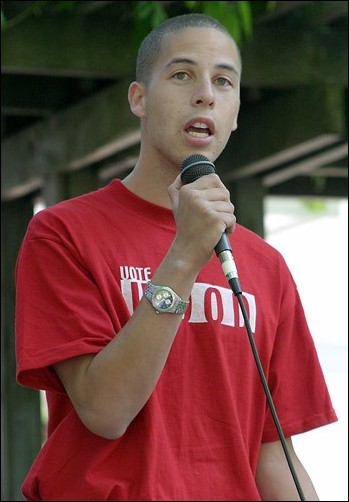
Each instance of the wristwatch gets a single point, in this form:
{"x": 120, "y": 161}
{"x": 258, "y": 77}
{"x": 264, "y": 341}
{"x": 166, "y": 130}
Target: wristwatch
{"x": 164, "y": 299}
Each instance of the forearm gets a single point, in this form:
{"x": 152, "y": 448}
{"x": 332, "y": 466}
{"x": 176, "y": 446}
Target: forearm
{"x": 281, "y": 486}
{"x": 274, "y": 478}
{"x": 110, "y": 388}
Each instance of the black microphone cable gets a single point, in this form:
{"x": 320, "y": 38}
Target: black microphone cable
{"x": 192, "y": 168}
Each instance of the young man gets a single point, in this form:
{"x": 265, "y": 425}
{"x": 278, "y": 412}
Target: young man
{"x": 169, "y": 406}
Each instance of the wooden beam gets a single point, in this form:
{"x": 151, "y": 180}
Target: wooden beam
{"x": 316, "y": 186}
{"x": 284, "y": 55}
{"x": 44, "y": 95}
{"x": 287, "y": 155}
{"x": 279, "y": 124}
{"x": 99, "y": 126}
{"x": 69, "y": 45}
{"x": 319, "y": 13}
{"x": 280, "y": 54}
{"x": 306, "y": 166}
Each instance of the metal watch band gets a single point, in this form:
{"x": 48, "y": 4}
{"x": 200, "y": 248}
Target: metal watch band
{"x": 164, "y": 299}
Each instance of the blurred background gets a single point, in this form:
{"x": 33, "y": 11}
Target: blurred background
{"x": 66, "y": 129}
{"x": 315, "y": 246}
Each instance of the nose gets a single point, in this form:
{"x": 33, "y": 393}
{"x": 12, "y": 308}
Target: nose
{"x": 203, "y": 94}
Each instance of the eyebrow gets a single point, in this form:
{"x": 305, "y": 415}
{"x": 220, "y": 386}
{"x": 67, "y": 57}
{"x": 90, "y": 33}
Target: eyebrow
{"x": 221, "y": 66}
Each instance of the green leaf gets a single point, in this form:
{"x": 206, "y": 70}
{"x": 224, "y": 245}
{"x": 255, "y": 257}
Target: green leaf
{"x": 192, "y": 5}
{"x": 158, "y": 15}
{"x": 245, "y": 15}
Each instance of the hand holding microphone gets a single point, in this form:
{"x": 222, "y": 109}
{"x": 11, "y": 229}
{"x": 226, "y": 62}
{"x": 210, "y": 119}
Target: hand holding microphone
{"x": 192, "y": 168}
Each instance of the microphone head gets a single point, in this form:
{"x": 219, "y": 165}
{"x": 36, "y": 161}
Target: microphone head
{"x": 195, "y": 166}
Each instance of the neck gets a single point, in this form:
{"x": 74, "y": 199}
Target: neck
{"x": 150, "y": 183}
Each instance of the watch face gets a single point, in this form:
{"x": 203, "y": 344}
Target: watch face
{"x": 162, "y": 300}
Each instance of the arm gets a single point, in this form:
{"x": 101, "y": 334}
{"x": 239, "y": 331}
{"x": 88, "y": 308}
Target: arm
{"x": 273, "y": 476}
{"x": 110, "y": 388}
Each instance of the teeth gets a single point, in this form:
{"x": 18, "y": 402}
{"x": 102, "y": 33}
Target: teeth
{"x": 201, "y": 125}
{"x": 198, "y": 134}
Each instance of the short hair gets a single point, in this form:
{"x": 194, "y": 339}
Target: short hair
{"x": 150, "y": 48}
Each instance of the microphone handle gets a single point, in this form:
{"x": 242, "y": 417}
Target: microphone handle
{"x": 225, "y": 254}
{"x": 223, "y": 244}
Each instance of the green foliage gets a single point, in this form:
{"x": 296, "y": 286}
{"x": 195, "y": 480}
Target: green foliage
{"x": 271, "y": 5}
{"x": 236, "y": 16}
{"x": 146, "y": 15}
{"x": 151, "y": 13}
{"x": 314, "y": 205}
{"x": 34, "y": 8}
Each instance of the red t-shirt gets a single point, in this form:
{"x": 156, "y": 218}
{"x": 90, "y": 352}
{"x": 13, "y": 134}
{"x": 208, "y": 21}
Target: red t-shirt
{"x": 81, "y": 271}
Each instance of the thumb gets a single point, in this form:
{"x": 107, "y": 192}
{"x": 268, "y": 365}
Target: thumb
{"x": 173, "y": 190}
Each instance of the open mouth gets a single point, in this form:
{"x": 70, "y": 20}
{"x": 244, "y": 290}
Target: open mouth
{"x": 198, "y": 130}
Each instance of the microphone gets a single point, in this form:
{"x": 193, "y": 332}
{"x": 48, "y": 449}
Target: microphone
{"x": 192, "y": 168}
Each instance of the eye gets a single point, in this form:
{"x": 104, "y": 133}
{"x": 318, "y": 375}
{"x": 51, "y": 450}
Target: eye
{"x": 180, "y": 75}
{"x": 224, "y": 82}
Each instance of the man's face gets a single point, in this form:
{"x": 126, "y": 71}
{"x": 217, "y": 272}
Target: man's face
{"x": 192, "y": 100}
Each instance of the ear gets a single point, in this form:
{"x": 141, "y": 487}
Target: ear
{"x": 235, "y": 122}
{"x": 136, "y": 98}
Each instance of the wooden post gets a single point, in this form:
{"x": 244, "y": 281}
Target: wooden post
{"x": 21, "y": 430}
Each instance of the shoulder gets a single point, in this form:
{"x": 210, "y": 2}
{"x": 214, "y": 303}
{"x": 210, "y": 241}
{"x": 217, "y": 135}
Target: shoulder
{"x": 258, "y": 259}
{"x": 254, "y": 243}
{"x": 75, "y": 212}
